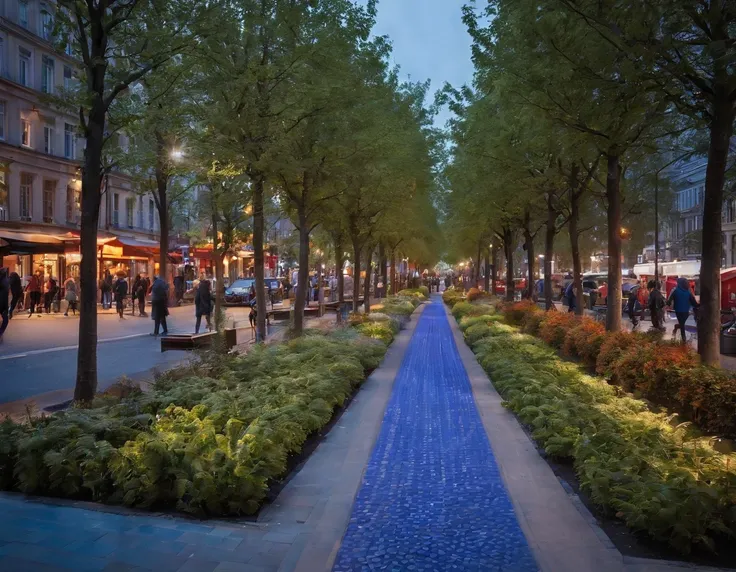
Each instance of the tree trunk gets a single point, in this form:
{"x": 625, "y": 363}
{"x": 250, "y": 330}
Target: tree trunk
{"x": 721, "y": 129}
{"x": 356, "y": 276}
{"x": 393, "y": 272}
{"x": 162, "y": 203}
{"x": 258, "y": 258}
{"x": 577, "y": 268}
{"x": 487, "y": 272}
{"x": 529, "y": 242}
{"x": 508, "y": 249}
{"x": 549, "y": 243}
{"x": 339, "y": 261}
{"x": 477, "y": 263}
{"x": 367, "y": 284}
{"x": 302, "y": 290}
{"x": 613, "y": 196}
{"x": 384, "y": 270}
{"x": 86, "y": 382}
{"x": 494, "y": 270}
{"x": 219, "y": 286}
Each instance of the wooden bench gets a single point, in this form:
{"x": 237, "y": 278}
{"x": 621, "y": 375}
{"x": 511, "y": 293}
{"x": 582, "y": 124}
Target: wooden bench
{"x": 186, "y": 341}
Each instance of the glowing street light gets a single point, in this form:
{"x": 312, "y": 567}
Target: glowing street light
{"x": 177, "y": 154}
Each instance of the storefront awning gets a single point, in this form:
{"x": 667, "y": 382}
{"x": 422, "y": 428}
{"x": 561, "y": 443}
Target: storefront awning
{"x": 12, "y": 242}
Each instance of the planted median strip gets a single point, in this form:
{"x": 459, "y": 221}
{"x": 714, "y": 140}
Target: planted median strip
{"x": 657, "y": 475}
{"x": 209, "y": 439}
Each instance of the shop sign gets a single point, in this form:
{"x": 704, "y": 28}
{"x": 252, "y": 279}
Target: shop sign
{"x": 112, "y": 251}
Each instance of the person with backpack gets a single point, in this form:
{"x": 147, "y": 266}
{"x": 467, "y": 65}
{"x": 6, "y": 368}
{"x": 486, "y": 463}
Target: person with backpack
{"x": 681, "y": 300}
{"x": 121, "y": 291}
{"x": 570, "y": 295}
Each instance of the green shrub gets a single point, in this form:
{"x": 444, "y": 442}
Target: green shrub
{"x": 452, "y": 296}
{"x": 635, "y": 464}
{"x": 377, "y": 331}
{"x": 208, "y": 439}
{"x": 421, "y": 292}
{"x": 462, "y": 309}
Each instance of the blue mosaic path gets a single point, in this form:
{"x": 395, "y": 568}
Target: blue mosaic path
{"x": 432, "y": 497}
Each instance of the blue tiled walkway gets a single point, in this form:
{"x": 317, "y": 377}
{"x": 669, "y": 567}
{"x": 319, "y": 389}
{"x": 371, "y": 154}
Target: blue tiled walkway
{"x": 432, "y": 497}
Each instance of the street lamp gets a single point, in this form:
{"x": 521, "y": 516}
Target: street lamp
{"x": 177, "y": 154}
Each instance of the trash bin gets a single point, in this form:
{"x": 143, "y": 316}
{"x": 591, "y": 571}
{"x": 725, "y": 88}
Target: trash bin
{"x": 728, "y": 343}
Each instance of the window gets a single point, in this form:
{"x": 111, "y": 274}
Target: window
{"x": 46, "y": 23}
{"x": 140, "y": 213}
{"x": 24, "y": 66}
{"x": 69, "y": 49}
{"x": 73, "y": 204}
{"x": 25, "y": 132}
{"x": 116, "y": 210}
{"x": 47, "y": 75}
{"x": 48, "y": 139}
{"x": 150, "y": 215}
{"x": 68, "y": 77}
{"x": 70, "y": 141}
{"x": 26, "y": 183}
{"x": 49, "y": 193}
{"x": 2, "y": 120}
{"x": 129, "y": 211}
{"x": 23, "y": 13}
{"x": 2, "y": 56}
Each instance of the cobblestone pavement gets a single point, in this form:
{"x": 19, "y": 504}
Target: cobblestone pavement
{"x": 432, "y": 496}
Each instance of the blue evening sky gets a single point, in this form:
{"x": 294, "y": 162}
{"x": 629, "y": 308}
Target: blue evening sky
{"x": 429, "y": 41}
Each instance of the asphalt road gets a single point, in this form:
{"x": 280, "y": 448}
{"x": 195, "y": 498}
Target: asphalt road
{"x": 39, "y": 355}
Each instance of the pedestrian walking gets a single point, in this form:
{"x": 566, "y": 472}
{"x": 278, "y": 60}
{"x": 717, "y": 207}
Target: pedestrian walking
{"x": 203, "y": 304}
{"x": 51, "y": 289}
{"x": 106, "y": 290}
{"x": 159, "y": 306}
{"x": 656, "y": 305}
{"x": 253, "y": 315}
{"x": 682, "y": 299}
{"x": 4, "y": 305}
{"x": 16, "y": 291}
{"x": 570, "y": 295}
{"x": 121, "y": 291}
{"x": 71, "y": 296}
{"x": 134, "y": 293}
{"x": 631, "y": 306}
{"x": 34, "y": 287}
{"x": 140, "y": 288}
{"x": 179, "y": 285}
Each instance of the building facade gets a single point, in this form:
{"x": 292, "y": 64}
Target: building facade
{"x": 40, "y": 162}
{"x": 681, "y": 231}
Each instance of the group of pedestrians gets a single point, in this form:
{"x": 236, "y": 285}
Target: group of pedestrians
{"x": 681, "y": 300}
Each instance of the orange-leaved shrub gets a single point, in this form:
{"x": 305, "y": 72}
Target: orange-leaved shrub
{"x": 476, "y": 294}
{"x": 584, "y": 340}
{"x": 654, "y": 370}
{"x": 708, "y": 396}
{"x": 517, "y": 311}
{"x": 554, "y": 327}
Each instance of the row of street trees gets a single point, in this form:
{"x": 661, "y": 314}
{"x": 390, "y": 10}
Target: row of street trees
{"x": 263, "y": 106}
{"x": 577, "y": 105}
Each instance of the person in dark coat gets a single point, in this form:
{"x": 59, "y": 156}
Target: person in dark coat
{"x": 203, "y": 304}
{"x": 106, "y": 290}
{"x": 139, "y": 295}
{"x": 159, "y": 307}
{"x": 34, "y": 288}
{"x": 134, "y": 293}
{"x": 121, "y": 292}
{"x": 656, "y": 305}
{"x": 4, "y": 293}
{"x": 16, "y": 291}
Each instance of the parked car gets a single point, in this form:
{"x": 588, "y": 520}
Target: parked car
{"x": 239, "y": 292}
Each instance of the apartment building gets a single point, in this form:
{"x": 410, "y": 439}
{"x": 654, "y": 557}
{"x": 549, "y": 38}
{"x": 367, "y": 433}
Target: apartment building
{"x": 40, "y": 161}
{"x": 681, "y": 230}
